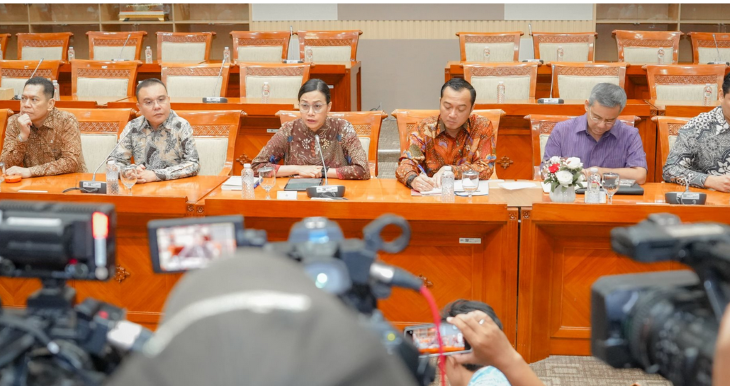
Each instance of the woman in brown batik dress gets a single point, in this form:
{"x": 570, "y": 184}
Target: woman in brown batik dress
{"x": 296, "y": 142}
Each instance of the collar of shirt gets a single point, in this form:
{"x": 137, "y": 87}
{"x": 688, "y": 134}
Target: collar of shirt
{"x": 722, "y": 125}
{"x": 165, "y": 124}
{"x": 50, "y": 119}
{"x": 582, "y": 125}
{"x": 440, "y": 127}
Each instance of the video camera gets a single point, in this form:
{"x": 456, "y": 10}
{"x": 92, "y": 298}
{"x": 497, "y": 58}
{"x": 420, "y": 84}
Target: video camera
{"x": 665, "y": 322}
{"x": 346, "y": 268}
{"x": 57, "y": 341}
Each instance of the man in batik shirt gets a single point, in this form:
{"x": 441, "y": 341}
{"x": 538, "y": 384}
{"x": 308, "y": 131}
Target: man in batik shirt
{"x": 702, "y": 148}
{"x": 161, "y": 142}
{"x": 455, "y": 138}
{"x": 42, "y": 140}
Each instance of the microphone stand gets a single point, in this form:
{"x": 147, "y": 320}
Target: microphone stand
{"x": 121, "y": 52}
{"x": 217, "y": 99}
{"x": 94, "y": 186}
{"x": 326, "y": 191}
{"x": 551, "y": 100}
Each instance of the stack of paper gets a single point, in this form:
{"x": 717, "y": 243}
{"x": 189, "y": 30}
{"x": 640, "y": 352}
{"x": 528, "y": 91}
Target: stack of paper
{"x": 234, "y": 183}
{"x": 458, "y": 190}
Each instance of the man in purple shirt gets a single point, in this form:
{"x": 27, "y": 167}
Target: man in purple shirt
{"x": 599, "y": 139}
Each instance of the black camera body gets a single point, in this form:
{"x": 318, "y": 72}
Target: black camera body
{"x": 664, "y": 322}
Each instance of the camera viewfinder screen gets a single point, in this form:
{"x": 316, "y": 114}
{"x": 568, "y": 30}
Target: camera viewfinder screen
{"x": 186, "y": 247}
{"x": 425, "y": 339}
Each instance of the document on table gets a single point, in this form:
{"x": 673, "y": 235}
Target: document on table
{"x": 458, "y": 190}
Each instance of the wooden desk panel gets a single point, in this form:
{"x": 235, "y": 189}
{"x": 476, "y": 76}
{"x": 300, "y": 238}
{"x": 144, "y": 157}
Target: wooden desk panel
{"x": 135, "y": 287}
{"x": 485, "y": 271}
{"x": 564, "y": 248}
{"x": 66, "y": 102}
{"x": 514, "y": 142}
{"x": 343, "y": 76}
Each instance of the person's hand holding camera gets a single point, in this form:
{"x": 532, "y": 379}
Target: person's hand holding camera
{"x": 490, "y": 347}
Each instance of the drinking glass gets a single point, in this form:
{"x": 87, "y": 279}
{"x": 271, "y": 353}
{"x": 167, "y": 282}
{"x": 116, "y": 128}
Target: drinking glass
{"x": 129, "y": 176}
{"x": 610, "y": 184}
{"x": 470, "y": 182}
{"x": 268, "y": 179}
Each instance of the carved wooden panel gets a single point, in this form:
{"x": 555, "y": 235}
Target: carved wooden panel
{"x": 211, "y": 130}
{"x": 711, "y": 44}
{"x": 362, "y": 130}
{"x": 587, "y": 71}
{"x": 103, "y": 73}
{"x": 489, "y": 39}
{"x": 115, "y": 42}
{"x": 25, "y": 73}
{"x": 328, "y": 42}
{"x": 183, "y": 38}
{"x": 261, "y": 42}
{"x": 673, "y": 128}
{"x": 42, "y": 43}
{"x": 685, "y": 79}
{"x": 645, "y": 43}
{"x": 275, "y": 71}
{"x": 98, "y": 127}
{"x": 562, "y": 38}
{"x": 192, "y": 71}
{"x": 501, "y": 71}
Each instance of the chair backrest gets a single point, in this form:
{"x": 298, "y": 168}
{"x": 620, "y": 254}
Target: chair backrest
{"x": 47, "y": 46}
{"x": 184, "y": 47}
{"x": 576, "y": 46}
{"x": 366, "y": 124}
{"x": 574, "y": 81}
{"x": 14, "y": 73}
{"x": 100, "y": 130}
{"x": 668, "y": 131}
{"x": 329, "y": 46}
{"x": 704, "y": 49}
{"x": 542, "y": 126}
{"x": 260, "y": 46}
{"x": 284, "y": 80}
{"x": 684, "y": 82}
{"x": 195, "y": 80}
{"x": 489, "y": 46}
{"x": 520, "y": 79}
{"x": 5, "y": 114}
{"x": 642, "y": 47}
{"x": 4, "y": 45}
{"x": 115, "y": 45}
{"x": 215, "y": 135}
{"x": 407, "y": 121}
{"x": 99, "y": 78}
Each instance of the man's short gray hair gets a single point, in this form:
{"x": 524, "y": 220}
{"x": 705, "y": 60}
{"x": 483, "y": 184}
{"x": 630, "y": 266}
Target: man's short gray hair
{"x": 608, "y": 95}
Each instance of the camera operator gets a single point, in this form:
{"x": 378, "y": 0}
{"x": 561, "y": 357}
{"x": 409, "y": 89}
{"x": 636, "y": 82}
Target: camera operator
{"x": 258, "y": 319}
{"x": 490, "y": 347}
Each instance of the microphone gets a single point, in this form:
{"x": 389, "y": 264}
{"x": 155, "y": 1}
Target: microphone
{"x": 718, "y": 61}
{"x": 122, "y": 50}
{"x": 291, "y": 36}
{"x": 551, "y": 100}
{"x": 94, "y": 186}
{"x": 326, "y": 191}
{"x": 215, "y": 85}
{"x": 686, "y": 197}
{"x": 17, "y": 97}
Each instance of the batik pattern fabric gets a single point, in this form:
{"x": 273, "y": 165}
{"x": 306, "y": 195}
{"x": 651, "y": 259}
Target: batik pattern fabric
{"x": 295, "y": 144}
{"x": 702, "y": 149}
{"x": 52, "y": 149}
{"x": 169, "y": 151}
{"x": 431, "y": 147}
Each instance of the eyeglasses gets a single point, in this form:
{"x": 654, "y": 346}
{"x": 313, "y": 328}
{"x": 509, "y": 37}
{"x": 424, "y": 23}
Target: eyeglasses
{"x": 151, "y": 102}
{"x": 32, "y": 100}
{"x": 317, "y": 107}
{"x": 598, "y": 120}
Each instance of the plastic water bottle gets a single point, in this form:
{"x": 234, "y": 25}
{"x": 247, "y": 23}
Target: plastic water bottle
{"x": 56, "y": 91}
{"x": 112, "y": 177}
{"x": 561, "y": 52}
{"x": 660, "y": 56}
{"x": 148, "y": 55}
{"x": 487, "y": 54}
{"x": 247, "y": 181}
{"x": 501, "y": 92}
{"x": 593, "y": 195}
{"x": 226, "y": 55}
{"x": 707, "y": 97}
{"x": 265, "y": 92}
{"x": 447, "y": 185}
{"x": 309, "y": 55}
{"x": 71, "y": 54}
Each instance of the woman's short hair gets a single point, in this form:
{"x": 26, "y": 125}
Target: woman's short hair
{"x": 315, "y": 85}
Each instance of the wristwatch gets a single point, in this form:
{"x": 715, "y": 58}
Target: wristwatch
{"x": 324, "y": 170}
{"x": 410, "y": 179}
{"x": 20, "y": 138}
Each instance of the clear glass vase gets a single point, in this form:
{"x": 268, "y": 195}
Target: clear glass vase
{"x": 563, "y": 194}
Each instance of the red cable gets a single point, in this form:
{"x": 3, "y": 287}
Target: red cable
{"x": 437, "y": 322}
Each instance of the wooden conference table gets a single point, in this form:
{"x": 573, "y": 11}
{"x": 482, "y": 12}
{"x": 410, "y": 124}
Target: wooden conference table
{"x": 344, "y": 77}
{"x": 532, "y": 260}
